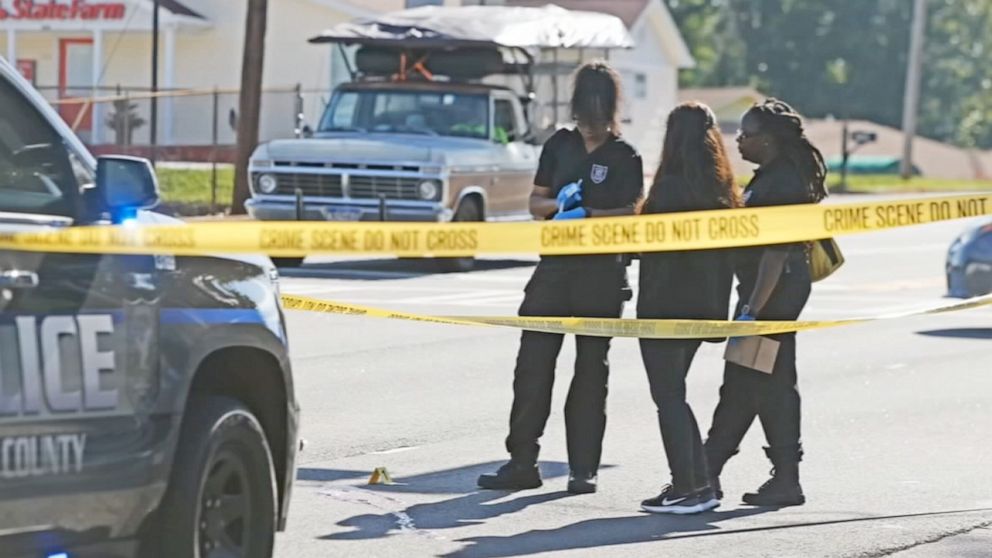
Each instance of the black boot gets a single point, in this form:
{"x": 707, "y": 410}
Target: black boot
{"x": 581, "y": 482}
{"x": 783, "y": 488}
{"x": 512, "y": 476}
{"x": 716, "y": 458}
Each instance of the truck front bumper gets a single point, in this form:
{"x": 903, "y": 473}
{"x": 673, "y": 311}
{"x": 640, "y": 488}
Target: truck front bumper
{"x": 269, "y": 209}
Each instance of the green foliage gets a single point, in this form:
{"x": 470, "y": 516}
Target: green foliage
{"x": 882, "y": 183}
{"x": 847, "y": 58}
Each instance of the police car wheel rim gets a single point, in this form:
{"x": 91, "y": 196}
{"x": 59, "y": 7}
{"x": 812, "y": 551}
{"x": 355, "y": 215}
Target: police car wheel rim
{"x": 225, "y": 508}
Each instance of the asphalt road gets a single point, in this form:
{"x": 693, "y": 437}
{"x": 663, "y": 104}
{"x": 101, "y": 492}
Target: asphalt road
{"x": 897, "y": 421}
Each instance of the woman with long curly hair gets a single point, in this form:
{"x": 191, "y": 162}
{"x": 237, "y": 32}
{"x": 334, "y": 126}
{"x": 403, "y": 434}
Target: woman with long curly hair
{"x": 694, "y": 175}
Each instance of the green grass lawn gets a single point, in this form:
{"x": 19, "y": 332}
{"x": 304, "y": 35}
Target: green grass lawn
{"x": 894, "y": 184}
{"x": 879, "y": 184}
{"x": 192, "y": 187}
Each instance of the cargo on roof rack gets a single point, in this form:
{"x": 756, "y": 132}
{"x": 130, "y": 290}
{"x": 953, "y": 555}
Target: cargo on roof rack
{"x": 470, "y": 42}
{"x": 441, "y": 27}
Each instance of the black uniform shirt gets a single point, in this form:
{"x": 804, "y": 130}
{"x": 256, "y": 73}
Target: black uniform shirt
{"x": 612, "y": 174}
{"x": 777, "y": 183}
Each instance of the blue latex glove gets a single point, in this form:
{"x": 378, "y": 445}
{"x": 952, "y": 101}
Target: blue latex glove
{"x": 570, "y": 196}
{"x": 577, "y": 213}
{"x": 745, "y": 317}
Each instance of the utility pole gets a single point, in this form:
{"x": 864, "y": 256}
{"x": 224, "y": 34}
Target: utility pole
{"x": 845, "y": 155}
{"x": 153, "y": 125}
{"x": 250, "y": 100}
{"x": 914, "y": 74}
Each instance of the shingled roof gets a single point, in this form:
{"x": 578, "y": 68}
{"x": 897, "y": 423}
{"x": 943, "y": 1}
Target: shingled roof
{"x": 178, "y": 8}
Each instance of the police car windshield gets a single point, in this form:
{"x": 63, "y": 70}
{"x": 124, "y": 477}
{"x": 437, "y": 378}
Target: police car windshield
{"x": 36, "y": 174}
{"x": 434, "y": 113}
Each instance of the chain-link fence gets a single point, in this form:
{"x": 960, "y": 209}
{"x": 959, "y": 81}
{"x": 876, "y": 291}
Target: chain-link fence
{"x": 191, "y": 125}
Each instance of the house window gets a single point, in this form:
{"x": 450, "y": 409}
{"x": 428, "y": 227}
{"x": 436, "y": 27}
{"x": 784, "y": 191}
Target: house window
{"x": 640, "y": 86}
{"x": 418, "y": 3}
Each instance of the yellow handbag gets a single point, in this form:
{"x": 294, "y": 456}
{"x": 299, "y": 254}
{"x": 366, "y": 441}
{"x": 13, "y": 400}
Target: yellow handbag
{"x": 824, "y": 259}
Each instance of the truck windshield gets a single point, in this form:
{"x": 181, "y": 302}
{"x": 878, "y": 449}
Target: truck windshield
{"x": 434, "y": 113}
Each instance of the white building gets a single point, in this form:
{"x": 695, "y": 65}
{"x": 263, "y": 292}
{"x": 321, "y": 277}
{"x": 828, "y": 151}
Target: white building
{"x": 83, "y": 48}
{"x": 97, "y": 48}
{"x": 650, "y": 70}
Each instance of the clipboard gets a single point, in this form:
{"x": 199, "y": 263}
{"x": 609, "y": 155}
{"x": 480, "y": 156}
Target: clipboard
{"x": 757, "y": 353}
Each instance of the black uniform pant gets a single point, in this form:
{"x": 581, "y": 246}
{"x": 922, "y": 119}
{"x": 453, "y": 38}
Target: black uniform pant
{"x": 667, "y": 362}
{"x": 773, "y": 398}
{"x": 596, "y": 292}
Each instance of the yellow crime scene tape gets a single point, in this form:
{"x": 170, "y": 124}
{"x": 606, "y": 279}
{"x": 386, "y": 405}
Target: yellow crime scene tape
{"x": 618, "y": 327}
{"x": 645, "y": 233}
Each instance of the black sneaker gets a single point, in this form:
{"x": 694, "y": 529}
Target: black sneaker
{"x": 777, "y": 492}
{"x": 709, "y": 498}
{"x": 717, "y": 489}
{"x": 581, "y": 483}
{"x": 512, "y": 476}
{"x": 681, "y": 504}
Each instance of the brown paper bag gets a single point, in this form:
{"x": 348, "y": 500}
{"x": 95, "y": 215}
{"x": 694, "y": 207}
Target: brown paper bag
{"x": 757, "y": 353}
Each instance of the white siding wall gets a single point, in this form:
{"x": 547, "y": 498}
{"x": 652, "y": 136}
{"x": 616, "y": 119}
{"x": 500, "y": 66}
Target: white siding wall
{"x": 208, "y": 58}
{"x": 648, "y": 114}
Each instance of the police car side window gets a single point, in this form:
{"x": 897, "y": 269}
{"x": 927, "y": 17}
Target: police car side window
{"x": 36, "y": 175}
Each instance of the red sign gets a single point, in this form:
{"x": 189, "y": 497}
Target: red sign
{"x": 34, "y": 10}
{"x": 27, "y": 69}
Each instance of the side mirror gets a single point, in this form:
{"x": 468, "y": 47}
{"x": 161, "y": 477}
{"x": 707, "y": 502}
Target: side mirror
{"x": 125, "y": 185}
{"x": 529, "y": 137}
{"x": 307, "y": 131}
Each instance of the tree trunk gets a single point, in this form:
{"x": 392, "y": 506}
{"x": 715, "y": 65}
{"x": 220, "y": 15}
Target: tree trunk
{"x": 250, "y": 100}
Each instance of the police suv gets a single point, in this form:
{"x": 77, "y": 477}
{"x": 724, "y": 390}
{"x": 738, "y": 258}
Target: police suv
{"x": 146, "y": 402}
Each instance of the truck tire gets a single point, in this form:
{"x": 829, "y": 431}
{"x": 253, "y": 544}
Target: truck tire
{"x": 287, "y": 262}
{"x": 468, "y": 211}
{"x": 221, "y": 499}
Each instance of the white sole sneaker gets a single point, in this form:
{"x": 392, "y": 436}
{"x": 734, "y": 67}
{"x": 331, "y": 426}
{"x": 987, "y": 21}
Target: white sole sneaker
{"x": 683, "y": 510}
{"x": 710, "y": 505}
{"x": 674, "y": 510}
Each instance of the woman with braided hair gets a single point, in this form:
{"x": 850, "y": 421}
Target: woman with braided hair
{"x": 774, "y": 284}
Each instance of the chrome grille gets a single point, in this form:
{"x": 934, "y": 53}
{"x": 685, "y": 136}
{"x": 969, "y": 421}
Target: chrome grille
{"x": 393, "y": 187}
{"x": 359, "y": 186}
{"x": 328, "y": 185}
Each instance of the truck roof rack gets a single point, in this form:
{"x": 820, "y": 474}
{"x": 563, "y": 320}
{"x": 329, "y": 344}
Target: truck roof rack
{"x": 453, "y": 27}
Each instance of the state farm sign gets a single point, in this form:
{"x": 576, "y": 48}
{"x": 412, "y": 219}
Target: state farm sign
{"x": 71, "y": 10}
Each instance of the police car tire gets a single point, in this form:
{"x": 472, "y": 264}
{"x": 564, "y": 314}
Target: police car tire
{"x": 468, "y": 211}
{"x": 287, "y": 262}
{"x": 213, "y": 424}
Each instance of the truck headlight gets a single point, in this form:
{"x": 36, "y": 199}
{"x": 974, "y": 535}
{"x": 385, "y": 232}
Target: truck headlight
{"x": 428, "y": 189}
{"x": 267, "y": 183}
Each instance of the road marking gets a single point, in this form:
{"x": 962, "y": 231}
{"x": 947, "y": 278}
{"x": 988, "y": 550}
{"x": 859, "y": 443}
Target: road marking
{"x": 898, "y": 285}
{"x": 456, "y": 298}
{"x": 400, "y": 449}
{"x": 388, "y": 504}
{"x": 895, "y": 249}
{"x": 364, "y": 287}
